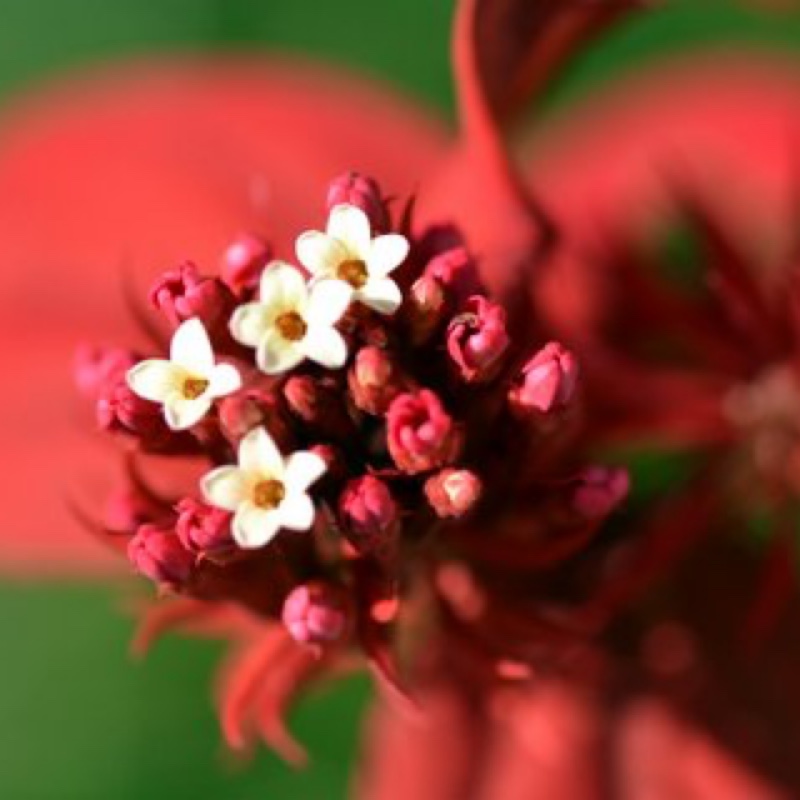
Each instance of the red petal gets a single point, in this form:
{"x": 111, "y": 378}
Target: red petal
{"x": 136, "y": 171}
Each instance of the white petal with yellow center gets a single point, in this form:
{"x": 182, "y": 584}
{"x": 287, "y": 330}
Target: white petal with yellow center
{"x": 187, "y": 384}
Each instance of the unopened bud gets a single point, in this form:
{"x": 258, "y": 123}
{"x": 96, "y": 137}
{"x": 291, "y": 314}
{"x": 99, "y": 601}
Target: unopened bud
{"x": 243, "y": 262}
{"x": 421, "y": 435}
{"x": 358, "y": 190}
{"x": 99, "y": 368}
{"x": 373, "y": 380}
{"x": 158, "y": 554}
{"x": 316, "y": 613}
{"x": 203, "y": 529}
{"x": 426, "y": 307}
{"x": 453, "y": 492}
{"x": 477, "y": 339}
{"x": 370, "y": 515}
{"x": 547, "y": 382}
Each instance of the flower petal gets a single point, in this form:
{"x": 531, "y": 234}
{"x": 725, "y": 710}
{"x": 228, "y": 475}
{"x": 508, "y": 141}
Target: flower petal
{"x": 191, "y": 348}
{"x": 302, "y": 469}
{"x": 254, "y": 527}
{"x": 382, "y": 295}
{"x": 249, "y": 323}
{"x": 182, "y": 413}
{"x": 325, "y": 345}
{"x": 259, "y": 453}
{"x": 224, "y": 487}
{"x": 283, "y": 286}
{"x": 224, "y": 379}
{"x": 328, "y": 301}
{"x": 277, "y": 355}
{"x": 296, "y": 512}
{"x": 155, "y": 379}
{"x": 350, "y": 225}
{"x": 386, "y": 253}
{"x": 319, "y": 253}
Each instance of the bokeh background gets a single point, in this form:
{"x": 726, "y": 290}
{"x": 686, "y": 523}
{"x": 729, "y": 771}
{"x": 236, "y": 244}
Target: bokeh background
{"x": 78, "y": 717}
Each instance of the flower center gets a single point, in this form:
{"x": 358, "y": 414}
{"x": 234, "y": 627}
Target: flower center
{"x": 353, "y": 272}
{"x": 268, "y": 494}
{"x": 194, "y": 387}
{"x": 291, "y": 326}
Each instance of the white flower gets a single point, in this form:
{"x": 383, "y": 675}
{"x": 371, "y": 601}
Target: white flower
{"x": 348, "y": 253}
{"x": 188, "y": 383}
{"x": 265, "y": 492}
{"x": 292, "y": 321}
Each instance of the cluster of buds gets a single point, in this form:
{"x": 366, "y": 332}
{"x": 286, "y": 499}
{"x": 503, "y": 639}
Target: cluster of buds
{"x": 365, "y": 416}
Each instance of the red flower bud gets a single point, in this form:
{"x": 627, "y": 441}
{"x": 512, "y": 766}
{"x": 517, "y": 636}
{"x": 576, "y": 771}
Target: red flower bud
{"x": 239, "y": 413}
{"x": 99, "y": 368}
{"x": 243, "y": 262}
{"x": 600, "y": 490}
{"x": 453, "y": 492}
{"x": 202, "y": 528}
{"x": 477, "y": 339}
{"x": 373, "y": 380}
{"x": 548, "y": 381}
{"x": 158, "y": 554}
{"x": 421, "y": 435}
{"x": 455, "y": 271}
{"x": 362, "y": 192}
{"x": 183, "y": 293}
{"x": 318, "y": 402}
{"x": 119, "y": 409}
{"x": 370, "y": 515}
{"x": 426, "y": 307}
{"x": 316, "y": 613}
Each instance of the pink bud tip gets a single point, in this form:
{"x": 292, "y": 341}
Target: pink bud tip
{"x": 600, "y": 490}
{"x": 421, "y": 435}
{"x": 158, "y": 554}
{"x": 547, "y": 382}
{"x": 243, "y": 262}
{"x": 370, "y": 514}
{"x": 360, "y": 191}
{"x": 453, "y": 492}
{"x": 119, "y": 409}
{"x": 316, "y": 613}
{"x": 455, "y": 270}
{"x": 183, "y": 293}
{"x": 373, "y": 381}
{"x": 202, "y": 528}
{"x": 477, "y": 339}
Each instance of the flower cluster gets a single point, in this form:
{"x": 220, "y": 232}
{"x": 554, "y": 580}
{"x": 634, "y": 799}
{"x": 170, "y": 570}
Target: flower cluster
{"x": 378, "y": 447}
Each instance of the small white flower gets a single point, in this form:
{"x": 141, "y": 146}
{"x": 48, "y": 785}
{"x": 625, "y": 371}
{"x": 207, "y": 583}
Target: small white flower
{"x": 265, "y": 492}
{"x": 188, "y": 383}
{"x": 348, "y": 253}
{"x": 292, "y": 321}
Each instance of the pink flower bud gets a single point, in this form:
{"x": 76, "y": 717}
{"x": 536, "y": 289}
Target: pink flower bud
{"x": 239, "y": 413}
{"x": 477, "y": 339}
{"x": 97, "y": 368}
{"x": 453, "y": 492}
{"x": 316, "y": 613}
{"x": 370, "y": 515}
{"x": 183, "y": 293}
{"x": 119, "y": 409}
{"x": 548, "y": 381}
{"x": 600, "y": 490}
{"x": 158, "y": 554}
{"x": 426, "y": 307}
{"x": 455, "y": 271}
{"x": 373, "y": 380}
{"x": 243, "y": 262}
{"x": 421, "y": 435}
{"x": 362, "y": 192}
{"x": 202, "y": 528}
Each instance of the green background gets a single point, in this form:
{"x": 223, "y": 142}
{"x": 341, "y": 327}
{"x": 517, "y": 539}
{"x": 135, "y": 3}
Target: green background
{"x": 79, "y": 719}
